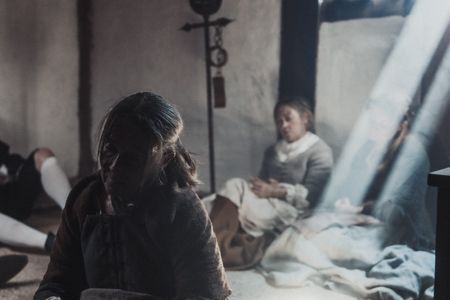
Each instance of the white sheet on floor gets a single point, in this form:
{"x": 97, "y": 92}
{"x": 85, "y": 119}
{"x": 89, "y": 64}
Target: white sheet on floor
{"x": 349, "y": 259}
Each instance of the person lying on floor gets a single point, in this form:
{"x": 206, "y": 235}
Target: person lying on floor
{"x": 137, "y": 225}
{"x": 246, "y": 214}
{"x": 21, "y": 182}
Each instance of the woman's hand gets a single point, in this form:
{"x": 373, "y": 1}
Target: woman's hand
{"x": 267, "y": 189}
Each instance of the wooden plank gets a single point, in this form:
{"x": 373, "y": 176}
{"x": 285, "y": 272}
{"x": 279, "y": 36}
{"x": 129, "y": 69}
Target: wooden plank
{"x": 440, "y": 178}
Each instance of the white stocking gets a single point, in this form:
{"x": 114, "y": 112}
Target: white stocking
{"x": 15, "y": 233}
{"x": 54, "y": 181}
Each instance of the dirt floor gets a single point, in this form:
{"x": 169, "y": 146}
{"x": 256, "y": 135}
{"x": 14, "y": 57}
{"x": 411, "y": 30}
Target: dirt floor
{"x": 246, "y": 285}
{"x": 24, "y": 284}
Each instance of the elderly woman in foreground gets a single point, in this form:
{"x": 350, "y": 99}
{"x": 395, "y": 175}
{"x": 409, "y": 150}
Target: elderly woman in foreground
{"x": 135, "y": 229}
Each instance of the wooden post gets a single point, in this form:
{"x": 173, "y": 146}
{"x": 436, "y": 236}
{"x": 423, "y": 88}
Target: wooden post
{"x": 441, "y": 180}
{"x": 86, "y": 162}
{"x": 212, "y": 172}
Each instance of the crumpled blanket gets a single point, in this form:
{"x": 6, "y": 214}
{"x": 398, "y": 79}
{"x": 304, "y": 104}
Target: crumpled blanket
{"x": 348, "y": 258}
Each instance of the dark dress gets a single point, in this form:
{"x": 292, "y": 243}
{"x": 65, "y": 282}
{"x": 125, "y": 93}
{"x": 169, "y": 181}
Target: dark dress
{"x": 166, "y": 248}
{"x": 19, "y": 193}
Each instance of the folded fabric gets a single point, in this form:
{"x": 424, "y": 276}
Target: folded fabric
{"x": 348, "y": 259}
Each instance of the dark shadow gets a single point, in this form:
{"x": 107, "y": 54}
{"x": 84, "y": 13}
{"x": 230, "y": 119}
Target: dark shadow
{"x": 339, "y": 10}
{"x": 25, "y": 250}
{"x": 20, "y": 284}
{"x": 298, "y": 53}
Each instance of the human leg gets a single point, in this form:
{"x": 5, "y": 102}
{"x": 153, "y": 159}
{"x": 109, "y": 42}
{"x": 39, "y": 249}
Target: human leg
{"x": 239, "y": 249}
{"x": 257, "y": 215}
{"x": 19, "y": 193}
{"x": 17, "y": 234}
{"x": 234, "y": 189}
{"x": 54, "y": 181}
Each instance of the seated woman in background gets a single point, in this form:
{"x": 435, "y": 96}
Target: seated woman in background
{"x": 377, "y": 248}
{"x": 247, "y": 214}
{"x": 137, "y": 227}
{"x": 21, "y": 182}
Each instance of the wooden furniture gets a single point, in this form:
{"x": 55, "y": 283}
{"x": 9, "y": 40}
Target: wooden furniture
{"x": 441, "y": 180}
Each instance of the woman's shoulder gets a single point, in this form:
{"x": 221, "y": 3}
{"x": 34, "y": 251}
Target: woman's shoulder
{"x": 185, "y": 204}
{"x": 320, "y": 146}
{"x": 319, "y": 153}
{"x": 185, "y": 198}
{"x": 271, "y": 149}
{"x": 81, "y": 198}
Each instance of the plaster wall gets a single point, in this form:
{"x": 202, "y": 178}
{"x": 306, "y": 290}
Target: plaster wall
{"x": 138, "y": 47}
{"x": 38, "y": 78}
{"x": 351, "y": 55}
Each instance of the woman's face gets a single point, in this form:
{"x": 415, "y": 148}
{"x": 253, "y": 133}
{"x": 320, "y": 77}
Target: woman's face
{"x": 129, "y": 159}
{"x": 290, "y": 124}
